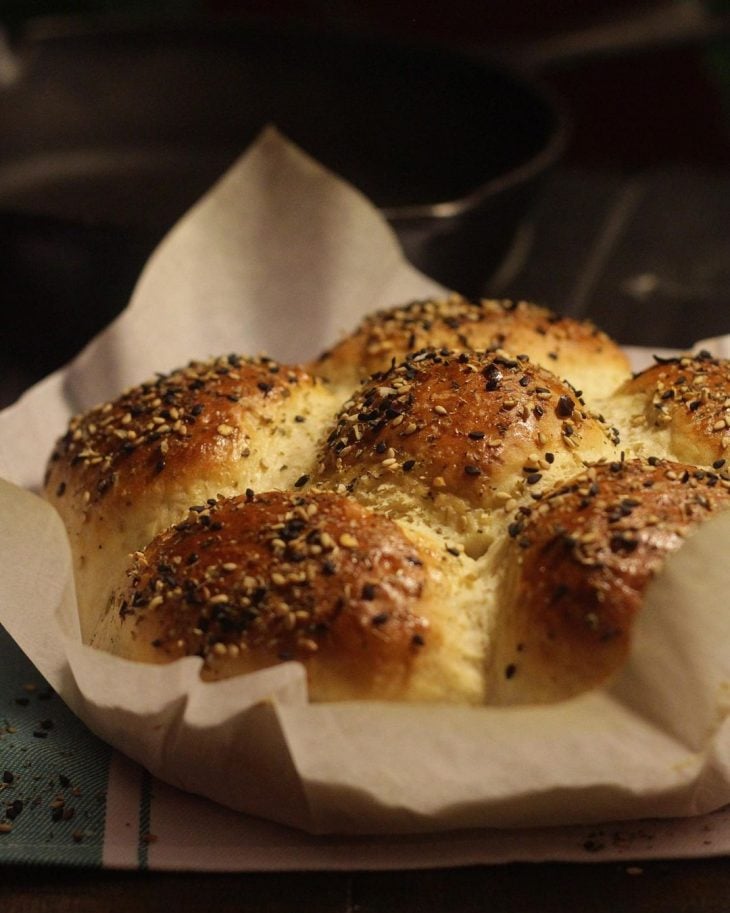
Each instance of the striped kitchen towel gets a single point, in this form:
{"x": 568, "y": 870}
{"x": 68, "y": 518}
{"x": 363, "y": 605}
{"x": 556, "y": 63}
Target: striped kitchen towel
{"x": 66, "y": 798}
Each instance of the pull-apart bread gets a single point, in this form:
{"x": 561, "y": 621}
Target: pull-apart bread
{"x": 459, "y": 502}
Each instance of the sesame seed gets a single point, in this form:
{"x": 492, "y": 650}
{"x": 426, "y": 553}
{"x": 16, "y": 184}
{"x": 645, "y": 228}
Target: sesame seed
{"x": 326, "y": 541}
{"x": 565, "y": 406}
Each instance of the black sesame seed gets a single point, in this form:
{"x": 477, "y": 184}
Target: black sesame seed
{"x": 301, "y": 481}
{"x": 476, "y": 435}
{"x": 408, "y": 465}
{"x": 718, "y": 464}
{"x": 369, "y": 591}
{"x": 471, "y": 470}
{"x": 622, "y": 543}
{"x": 509, "y": 670}
{"x": 565, "y": 407}
{"x": 14, "y": 809}
{"x": 494, "y": 377}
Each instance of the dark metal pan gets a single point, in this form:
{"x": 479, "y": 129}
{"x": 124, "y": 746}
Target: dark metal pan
{"x": 108, "y": 134}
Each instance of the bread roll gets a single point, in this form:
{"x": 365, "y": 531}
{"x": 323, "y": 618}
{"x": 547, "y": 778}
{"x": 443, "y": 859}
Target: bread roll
{"x": 452, "y": 439}
{"x": 576, "y": 567}
{"x": 463, "y": 528}
{"x": 128, "y": 469}
{"x": 369, "y": 608}
{"x": 678, "y": 408}
{"x": 573, "y": 349}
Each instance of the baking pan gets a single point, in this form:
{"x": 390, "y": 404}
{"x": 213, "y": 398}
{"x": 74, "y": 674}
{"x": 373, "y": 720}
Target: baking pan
{"x": 109, "y": 132}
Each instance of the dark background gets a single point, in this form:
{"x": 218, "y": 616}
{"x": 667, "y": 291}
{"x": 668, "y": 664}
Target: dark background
{"x": 662, "y": 101}
{"x": 628, "y": 229}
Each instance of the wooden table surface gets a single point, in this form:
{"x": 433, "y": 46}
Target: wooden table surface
{"x": 688, "y": 886}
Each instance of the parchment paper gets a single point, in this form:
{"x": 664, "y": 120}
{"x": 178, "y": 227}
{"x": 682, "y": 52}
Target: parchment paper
{"x": 281, "y": 256}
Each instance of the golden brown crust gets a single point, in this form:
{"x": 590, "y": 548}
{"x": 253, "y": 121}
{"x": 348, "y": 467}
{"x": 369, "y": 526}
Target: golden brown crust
{"x": 251, "y": 581}
{"x": 127, "y": 469}
{"x": 580, "y": 564}
{"x": 572, "y": 349}
{"x": 118, "y": 449}
{"x": 683, "y": 404}
{"x": 480, "y": 427}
